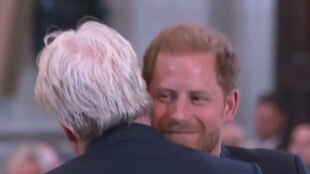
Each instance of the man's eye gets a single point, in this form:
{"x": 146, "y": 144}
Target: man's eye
{"x": 199, "y": 100}
{"x": 164, "y": 97}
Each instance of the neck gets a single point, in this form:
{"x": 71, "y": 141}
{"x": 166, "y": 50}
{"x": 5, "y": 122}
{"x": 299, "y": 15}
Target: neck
{"x": 143, "y": 119}
{"x": 80, "y": 146}
{"x": 271, "y": 137}
{"x": 216, "y": 151}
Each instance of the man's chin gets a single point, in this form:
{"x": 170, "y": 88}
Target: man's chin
{"x": 190, "y": 140}
{"x": 193, "y": 141}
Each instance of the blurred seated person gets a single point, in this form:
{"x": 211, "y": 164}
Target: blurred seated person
{"x": 300, "y": 142}
{"x": 33, "y": 158}
{"x": 233, "y": 135}
{"x": 270, "y": 123}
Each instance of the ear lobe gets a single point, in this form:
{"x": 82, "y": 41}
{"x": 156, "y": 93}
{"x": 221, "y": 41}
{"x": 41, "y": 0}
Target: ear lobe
{"x": 232, "y": 103}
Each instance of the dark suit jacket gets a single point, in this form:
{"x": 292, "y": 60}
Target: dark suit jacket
{"x": 139, "y": 149}
{"x": 270, "y": 161}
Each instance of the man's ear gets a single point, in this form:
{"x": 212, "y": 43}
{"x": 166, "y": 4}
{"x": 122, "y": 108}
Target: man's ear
{"x": 231, "y": 105}
{"x": 69, "y": 134}
{"x": 72, "y": 139}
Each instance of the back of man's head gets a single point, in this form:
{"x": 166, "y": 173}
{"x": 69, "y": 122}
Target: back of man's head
{"x": 90, "y": 78}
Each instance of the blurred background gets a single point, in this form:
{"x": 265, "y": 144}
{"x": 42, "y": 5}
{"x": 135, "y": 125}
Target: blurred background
{"x": 271, "y": 37}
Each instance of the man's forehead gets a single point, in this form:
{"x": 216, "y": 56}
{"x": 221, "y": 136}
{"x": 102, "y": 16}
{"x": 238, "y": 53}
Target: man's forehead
{"x": 174, "y": 60}
{"x": 186, "y": 66}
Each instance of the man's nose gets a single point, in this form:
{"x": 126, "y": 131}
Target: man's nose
{"x": 178, "y": 109}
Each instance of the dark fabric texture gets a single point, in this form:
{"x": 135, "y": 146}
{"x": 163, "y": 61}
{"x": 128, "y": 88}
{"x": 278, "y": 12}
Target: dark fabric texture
{"x": 139, "y": 149}
{"x": 270, "y": 161}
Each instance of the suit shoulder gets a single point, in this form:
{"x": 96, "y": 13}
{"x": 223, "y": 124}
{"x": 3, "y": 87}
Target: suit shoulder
{"x": 259, "y": 153}
{"x": 269, "y": 160}
{"x": 76, "y": 165}
{"x": 222, "y": 165}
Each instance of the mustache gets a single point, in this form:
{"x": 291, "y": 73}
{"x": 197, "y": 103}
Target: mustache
{"x": 174, "y": 126}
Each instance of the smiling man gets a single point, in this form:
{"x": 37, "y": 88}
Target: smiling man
{"x": 192, "y": 101}
{"x": 188, "y": 113}
{"x": 191, "y": 73}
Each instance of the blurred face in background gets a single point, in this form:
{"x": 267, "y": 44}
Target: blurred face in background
{"x": 300, "y": 143}
{"x": 269, "y": 120}
{"x": 189, "y": 106}
{"x": 26, "y": 167}
{"x": 233, "y": 135}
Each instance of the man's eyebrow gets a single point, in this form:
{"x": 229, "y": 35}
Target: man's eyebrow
{"x": 199, "y": 92}
{"x": 202, "y": 93}
{"x": 164, "y": 89}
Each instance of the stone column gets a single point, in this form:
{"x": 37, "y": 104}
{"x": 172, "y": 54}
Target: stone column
{"x": 250, "y": 25}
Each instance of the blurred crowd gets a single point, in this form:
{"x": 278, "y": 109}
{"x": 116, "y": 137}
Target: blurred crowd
{"x": 271, "y": 128}
{"x": 33, "y": 158}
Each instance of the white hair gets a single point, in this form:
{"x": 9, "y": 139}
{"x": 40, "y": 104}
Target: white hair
{"x": 91, "y": 79}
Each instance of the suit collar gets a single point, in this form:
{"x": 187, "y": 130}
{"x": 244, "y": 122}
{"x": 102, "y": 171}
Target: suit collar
{"x": 123, "y": 133}
{"x": 224, "y": 152}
